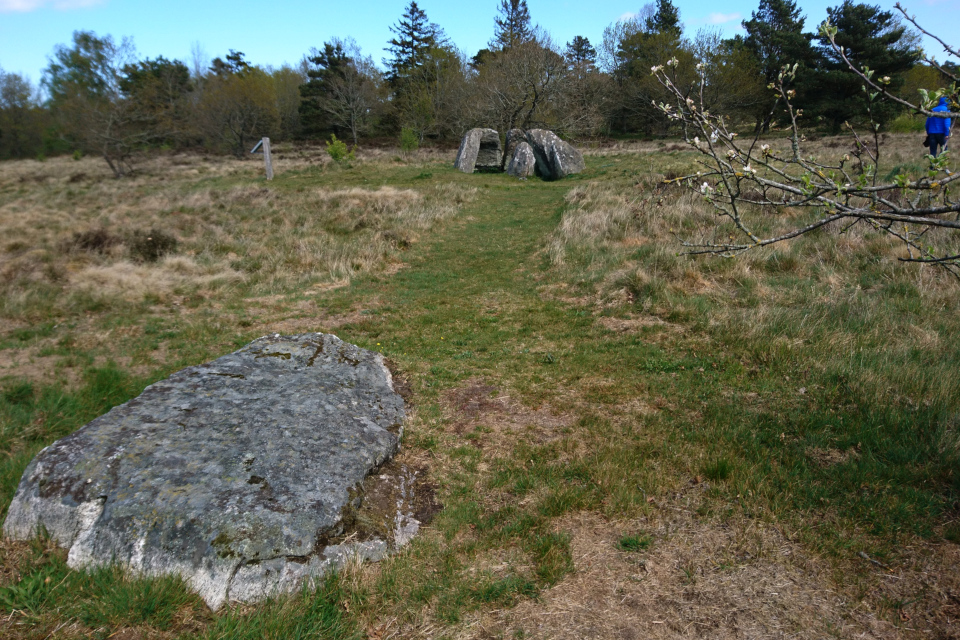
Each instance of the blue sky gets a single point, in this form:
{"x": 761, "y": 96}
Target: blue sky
{"x": 272, "y": 33}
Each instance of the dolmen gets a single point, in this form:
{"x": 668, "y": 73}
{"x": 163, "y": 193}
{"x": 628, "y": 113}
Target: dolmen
{"x": 527, "y": 153}
{"x": 239, "y": 475}
{"x": 479, "y": 150}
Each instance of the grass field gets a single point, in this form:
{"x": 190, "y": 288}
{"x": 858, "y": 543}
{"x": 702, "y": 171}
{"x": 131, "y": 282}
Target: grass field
{"x": 627, "y": 443}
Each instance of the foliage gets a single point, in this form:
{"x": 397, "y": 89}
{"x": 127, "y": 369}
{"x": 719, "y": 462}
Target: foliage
{"x": 870, "y": 39}
{"x": 338, "y": 151}
{"x": 775, "y": 37}
{"x": 511, "y": 26}
{"x": 409, "y": 141}
{"x": 236, "y": 108}
{"x": 87, "y": 96}
{"x": 665, "y": 19}
{"x": 21, "y": 118}
{"x": 580, "y": 53}
{"x": 414, "y": 37}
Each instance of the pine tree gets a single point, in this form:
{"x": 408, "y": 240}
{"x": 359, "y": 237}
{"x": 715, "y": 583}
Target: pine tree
{"x": 871, "y": 38}
{"x": 414, "y": 37}
{"x": 512, "y": 26}
{"x": 775, "y": 38}
{"x": 581, "y": 53}
{"x": 665, "y": 20}
{"x": 329, "y": 65}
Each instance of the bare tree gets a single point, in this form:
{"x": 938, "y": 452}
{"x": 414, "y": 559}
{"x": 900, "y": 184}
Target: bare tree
{"x": 747, "y": 182}
{"x": 518, "y": 87}
{"x": 353, "y": 97}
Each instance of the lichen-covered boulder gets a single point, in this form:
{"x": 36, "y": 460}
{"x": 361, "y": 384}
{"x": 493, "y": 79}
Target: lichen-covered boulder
{"x": 479, "y": 149}
{"x": 556, "y": 159}
{"x": 523, "y": 164}
{"x": 235, "y": 474}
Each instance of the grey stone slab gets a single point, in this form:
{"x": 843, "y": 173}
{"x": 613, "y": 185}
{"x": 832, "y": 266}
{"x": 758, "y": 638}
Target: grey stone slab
{"x": 479, "y": 149}
{"x": 556, "y": 159}
{"x": 523, "y": 164}
{"x": 233, "y": 474}
{"x": 490, "y": 155}
{"x": 513, "y": 138}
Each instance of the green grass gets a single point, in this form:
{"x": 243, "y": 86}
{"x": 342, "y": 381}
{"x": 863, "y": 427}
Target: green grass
{"x": 710, "y": 387}
{"x": 640, "y": 542}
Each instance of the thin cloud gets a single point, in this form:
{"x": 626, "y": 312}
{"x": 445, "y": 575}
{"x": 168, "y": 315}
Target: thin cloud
{"x": 627, "y": 16}
{"x": 723, "y": 18}
{"x": 26, "y": 6}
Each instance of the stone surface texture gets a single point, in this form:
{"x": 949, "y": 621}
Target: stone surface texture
{"x": 469, "y": 150}
{"x": 523, "y": 164}
{"x": 235, "y": 474}
{"x": 556, "y": 159}
{"x": 479, "y": 149}
{"x": 491, "y": 154}
{"x": 513, "y": 138}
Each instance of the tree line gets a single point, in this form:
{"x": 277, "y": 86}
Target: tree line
{"x": 97, "y": 97}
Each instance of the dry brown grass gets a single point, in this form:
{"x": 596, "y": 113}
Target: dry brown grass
{"x": 237, "y": 232}
{"x": 736, "y": 579}
{"x": 787, "y": 297}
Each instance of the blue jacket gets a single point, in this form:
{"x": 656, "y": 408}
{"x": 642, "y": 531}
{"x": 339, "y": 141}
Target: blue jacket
{"x": 939, "y": 125}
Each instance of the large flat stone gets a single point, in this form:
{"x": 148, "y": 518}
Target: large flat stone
{"x": 235, "y": 474}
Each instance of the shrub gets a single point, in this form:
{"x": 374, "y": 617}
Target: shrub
{"x": 408, "y": 140}
{"x": 150, "y": 246}
{"x": 906, "y": 123}
{"x": 339, "y": 151}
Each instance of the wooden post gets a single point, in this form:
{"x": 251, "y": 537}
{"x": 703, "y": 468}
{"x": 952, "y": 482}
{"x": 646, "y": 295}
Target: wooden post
{"x": 267, "y": 160}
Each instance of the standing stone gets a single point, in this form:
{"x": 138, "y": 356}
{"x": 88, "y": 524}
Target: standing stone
{"x": 238, "y": 475}
{"x": 514, "y": 137}
{"x": 556, "y": 159}
{"x": 469, "y": 150}
{"x": 523, "y": 164}
{"x": 479, "y": 149}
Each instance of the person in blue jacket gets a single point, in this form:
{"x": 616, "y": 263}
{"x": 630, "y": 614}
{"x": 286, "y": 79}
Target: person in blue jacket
{"x": 938, "y": 129}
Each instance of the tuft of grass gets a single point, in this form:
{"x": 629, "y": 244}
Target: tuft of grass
{"x": 150, "y": 246}
{"x": 634, "y": 543}
{"x": 718, "y": 470}
{"x": 551, "y": 554}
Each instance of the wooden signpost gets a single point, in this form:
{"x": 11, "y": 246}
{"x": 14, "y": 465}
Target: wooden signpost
{"x": 264, "y": 147}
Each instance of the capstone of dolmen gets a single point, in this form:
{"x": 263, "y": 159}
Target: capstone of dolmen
{"x": 235, "y": 474}
{"x": 479, "y": 149}
{"x": 523, "y": 164}
{"x": 556, "y": 159}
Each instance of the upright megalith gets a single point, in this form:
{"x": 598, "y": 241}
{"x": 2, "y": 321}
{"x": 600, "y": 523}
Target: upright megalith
{"x": 523, "y": 164}
{"x": 556, "y": 159}
{"x": 479, "y": 150}
{"x": 239, "y": 475}
{"x": 514, "y": 137}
